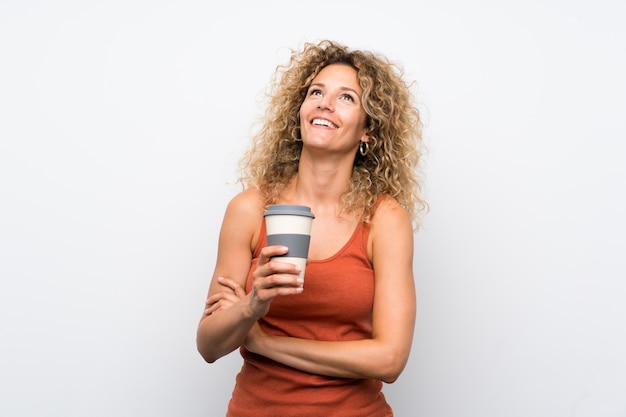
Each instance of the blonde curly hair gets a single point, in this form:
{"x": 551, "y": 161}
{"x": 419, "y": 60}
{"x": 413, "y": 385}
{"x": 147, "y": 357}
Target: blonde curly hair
{"x": 391, "y": 167}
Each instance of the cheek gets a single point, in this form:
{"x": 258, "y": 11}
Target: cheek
{"x": 306, "y": 107}
{"x": 301, "y": 116}
{"x": 365, "y": 122}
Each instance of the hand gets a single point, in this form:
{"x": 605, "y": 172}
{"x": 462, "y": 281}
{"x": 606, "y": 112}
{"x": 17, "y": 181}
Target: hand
{"x": 271, "y": 279}
{"x": 224, "y": 299}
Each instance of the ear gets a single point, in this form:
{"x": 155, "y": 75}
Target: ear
{"x": 366, "y": 128}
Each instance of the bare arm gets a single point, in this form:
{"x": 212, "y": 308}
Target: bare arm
{"x": 231, "y": 312}
{"x": 384, "y": 356}
{"x": 220, "y": 334}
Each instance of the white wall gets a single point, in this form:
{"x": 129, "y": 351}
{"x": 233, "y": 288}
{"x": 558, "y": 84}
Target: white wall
{"x": 121, "y": 121}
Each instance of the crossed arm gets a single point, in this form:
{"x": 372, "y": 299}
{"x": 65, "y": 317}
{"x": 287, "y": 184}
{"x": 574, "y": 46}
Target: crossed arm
{"x": 382, "y": 357}
{"x": 231, "y": 312}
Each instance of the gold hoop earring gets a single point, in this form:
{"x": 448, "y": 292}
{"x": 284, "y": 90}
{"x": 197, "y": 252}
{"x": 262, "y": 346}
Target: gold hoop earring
{"x": 364, "y": 148}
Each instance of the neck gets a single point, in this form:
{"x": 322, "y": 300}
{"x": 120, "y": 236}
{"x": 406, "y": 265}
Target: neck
{"x": 320, "y": 184}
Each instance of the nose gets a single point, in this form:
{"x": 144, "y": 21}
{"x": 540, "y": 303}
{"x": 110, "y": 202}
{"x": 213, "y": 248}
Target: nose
{"x": 324, "y": 103}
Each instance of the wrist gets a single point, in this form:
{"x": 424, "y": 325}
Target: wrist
{"x": 249, "y": 315}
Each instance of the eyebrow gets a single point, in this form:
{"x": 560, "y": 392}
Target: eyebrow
{"x": 341, "y": 88}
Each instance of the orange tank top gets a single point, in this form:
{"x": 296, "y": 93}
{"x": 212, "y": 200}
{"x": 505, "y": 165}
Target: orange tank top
{"x": 336, "y": 304}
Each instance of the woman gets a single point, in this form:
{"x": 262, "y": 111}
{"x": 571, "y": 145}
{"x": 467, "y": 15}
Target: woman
{"x": 341, "y": 136}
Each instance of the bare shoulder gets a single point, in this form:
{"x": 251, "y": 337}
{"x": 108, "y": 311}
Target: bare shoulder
{"x": 244, "y": 214}
{"x": 246, "y": 203}
{"x": 390, "y": 227}
{"x": 389, "y": 213}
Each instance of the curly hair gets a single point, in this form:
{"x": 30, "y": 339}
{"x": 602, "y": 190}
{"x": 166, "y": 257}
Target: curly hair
{"x": 391, "y": 166}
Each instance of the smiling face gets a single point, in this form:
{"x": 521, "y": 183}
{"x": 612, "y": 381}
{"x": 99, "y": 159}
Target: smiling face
{"x": 332, "y": 115}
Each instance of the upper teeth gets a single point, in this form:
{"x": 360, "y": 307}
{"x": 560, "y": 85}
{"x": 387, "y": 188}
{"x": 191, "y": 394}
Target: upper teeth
{"x": 323, "y": 122}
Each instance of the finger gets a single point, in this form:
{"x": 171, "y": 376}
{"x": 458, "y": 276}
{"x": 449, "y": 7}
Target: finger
{"x": 268, "y": 294}
{"x": 224, "y": 302}
{"x": 223, "y": 295}
{"x": 276, "y": 267}
{"x": 220, "y": 303}
{"x": 268, "y": 285}
{"x": 268, "y": 288}
{"x": 269, "y": 251}
{"x": 234, "y": 286}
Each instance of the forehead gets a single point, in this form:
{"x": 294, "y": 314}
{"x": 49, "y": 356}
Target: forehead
{"x": 339, "y": 75}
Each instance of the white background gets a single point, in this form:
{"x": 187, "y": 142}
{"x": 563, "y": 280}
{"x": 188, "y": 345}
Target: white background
{"x": 121, "y": 122}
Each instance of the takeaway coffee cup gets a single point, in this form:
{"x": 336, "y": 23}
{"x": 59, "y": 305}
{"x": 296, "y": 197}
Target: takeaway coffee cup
{"x": 290, "y": 225}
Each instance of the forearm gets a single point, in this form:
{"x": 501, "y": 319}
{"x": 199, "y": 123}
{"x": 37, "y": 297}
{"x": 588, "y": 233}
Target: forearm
{"x": 368, "y": 358}
{"x": 223, "y": 331}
